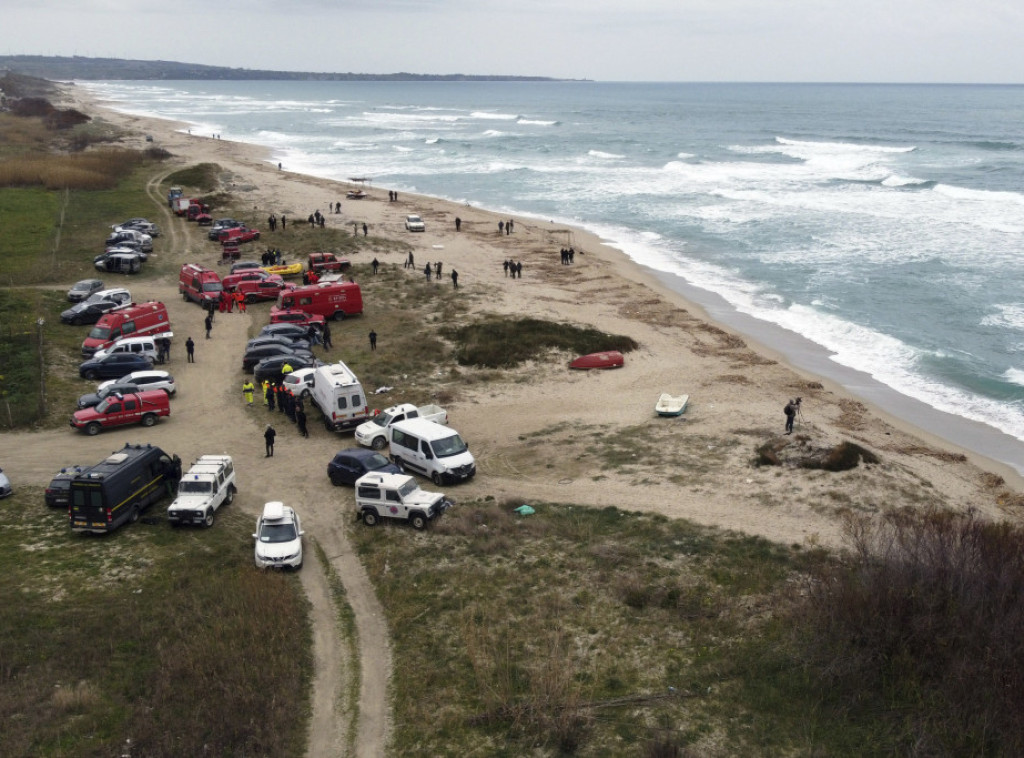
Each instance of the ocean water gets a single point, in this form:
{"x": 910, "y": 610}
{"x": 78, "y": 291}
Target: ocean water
{"x": 883, "y": 223}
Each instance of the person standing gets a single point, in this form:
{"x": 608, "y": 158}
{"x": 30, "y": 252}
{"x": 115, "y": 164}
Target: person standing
{"x": 265, "y": 386}
{"x": 271, "y": 396}
{"x": 190, "y": 348}
{"x": 240, "y": 299}
{"x": 427, "y": 270}
{"x": 326, "y": 336}
{"x": 501, "y": 227}
{"x": 519, "y": 269}
{"x": 209, "y": 324}
{"x": 248, "y": 389}
{"x": 268, "y": 436}
{"x": 790, "y": 411}
{"x": 284, "y": 222}
{"x": 365, "y": 229}
{"x": 373, "y": 340}
{"x": 458, "y": 224}
{"x": 455, "y": 279}
{"x": 375, "y": 264}
{"x": 300, "y": 421}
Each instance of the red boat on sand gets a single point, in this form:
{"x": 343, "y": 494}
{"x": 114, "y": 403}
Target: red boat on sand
{"x": 606, "y": 359}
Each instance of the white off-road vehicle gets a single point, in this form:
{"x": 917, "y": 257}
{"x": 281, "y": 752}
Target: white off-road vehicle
{"x": 209, "y": 484}
{"x": 397, "y": 496}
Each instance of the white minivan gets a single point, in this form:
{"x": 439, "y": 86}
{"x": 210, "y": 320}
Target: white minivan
{"x": 431, "y": 450}
{"x": 148, "y": 346}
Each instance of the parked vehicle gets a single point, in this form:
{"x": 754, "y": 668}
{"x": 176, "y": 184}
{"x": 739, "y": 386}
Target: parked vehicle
{"x": 119, "y": 263}
{"x": 278, "y": 537}
{"x": 119, "y": 295}
{"x": 415, "y": 224}
{"x": 219, "y": 225}
{"x": 180, "y": 205}
{"x": 120, "y": 487}
{"x": 350, "y": 464}
{"x": 173, "y": 194}
{"x": 199, "y": 284}
{"x": 231, "y": 281}
{"x": 58, "y": 491}
{"x": 87, "y": 312}
{"x": 321, "y": 262}
{"x": 431, "y": 450}
{"x": 139, "y": 224}
{"x": 133, "y": 320}
{"x": 271, "y": 369}
{"x": 328, "y": 299}
{"x": 257, "y": 353}
{"x": 120, "y": 410}
{"x": 205, "y": 487}
{"x": 304, "y": 319}
{"x": 146, "y": 380}
{"x": 245, "y": 266}
{"x": 132, "y": 237}
{"x": 267, "y": 289}
{"x": 376, "y": 432}
{"x": 237, "y": 235}
{"x": 6, "y": 489}
{"x": 299, "y": 381}
{"x": 81, "y": 290}
{"x": 397, "y": 496}
{"x": 289, "y": 342}
{"x": 111, "y": 387}
{"x": 196, "y": 210}
{"x": 113, "y": 366}
{"x": 336, "y": 391}
{"x": 145, "y": 345}
{"x": 285, "y": 329}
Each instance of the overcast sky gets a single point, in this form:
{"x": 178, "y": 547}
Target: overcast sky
{"x": 629, "y": 40}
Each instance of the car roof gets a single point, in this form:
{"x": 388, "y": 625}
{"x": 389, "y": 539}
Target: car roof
{"x": 165, "y": 375}
{"x": 359, "y": 453}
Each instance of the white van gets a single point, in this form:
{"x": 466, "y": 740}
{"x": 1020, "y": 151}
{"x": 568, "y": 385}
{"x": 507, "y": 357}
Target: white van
{"x": 336, "y": 391}
{"x": 148, "y": 346}
{"x": 431, "y": 450}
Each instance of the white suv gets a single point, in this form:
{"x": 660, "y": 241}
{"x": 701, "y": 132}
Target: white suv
{"x": 278, "y": 537}
{"x": 415, "y": 224}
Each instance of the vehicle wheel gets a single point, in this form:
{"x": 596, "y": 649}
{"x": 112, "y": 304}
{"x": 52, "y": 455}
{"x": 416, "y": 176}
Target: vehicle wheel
{"x": 134, "y": 515}
{"x": 208, "y": 521}
{"x": 92, "y": 429}
{"x": 418, "y": 521}
{"x": 370, "y": 518}
{"x": 91, "y": 375}
{"x": 338, "y": 316}
{"x": 148, "y": 420}
{"x": 378, "y": 443}
{"x": 436, "y": 478}
{"x": 250, "y": 299}
{"x": 184, "y": 296}
{"x": 231, "y": 495}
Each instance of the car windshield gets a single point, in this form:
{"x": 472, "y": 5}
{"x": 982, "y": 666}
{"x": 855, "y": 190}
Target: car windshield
{"x": 277, "y": 532}
{"x": 382, "y": 419}
{"x": 212, "y": 287}
{"x": 188, "y": 487}
{"x": 376, "y": 461}
{"x": 105, "y": 403}
{"x": 100, "y": 333}
{"x": 82, "y": 287}
{"x": 449, "y": 446}
{"x": 407, "y": 489}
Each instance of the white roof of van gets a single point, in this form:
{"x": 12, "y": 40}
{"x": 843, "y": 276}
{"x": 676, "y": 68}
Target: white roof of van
{"x": 425, "y": 428}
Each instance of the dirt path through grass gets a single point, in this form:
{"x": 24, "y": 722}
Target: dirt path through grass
{"x": 209, "y": 416}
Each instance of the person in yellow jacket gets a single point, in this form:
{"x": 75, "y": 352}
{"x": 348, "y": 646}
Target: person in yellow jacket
{"x": 287, "y": 368}
{"x": 248, "y": 389}
{"x": 266, "y": 391}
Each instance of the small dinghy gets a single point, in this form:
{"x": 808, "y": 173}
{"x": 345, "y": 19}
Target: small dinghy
{"x": 607, "y": 359}
{"x": 671, "y": 405}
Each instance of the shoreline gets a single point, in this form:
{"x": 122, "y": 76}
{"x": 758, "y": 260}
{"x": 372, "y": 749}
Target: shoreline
{"x": 978, "y": 439}
{"x": 781, "y": 375}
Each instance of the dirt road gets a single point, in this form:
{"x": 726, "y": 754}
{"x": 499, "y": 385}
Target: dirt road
{"x": 209, "y": 416}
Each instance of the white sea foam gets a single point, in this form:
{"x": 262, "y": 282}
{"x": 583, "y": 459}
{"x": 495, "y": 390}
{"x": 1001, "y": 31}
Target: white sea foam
{"x": 602, "y": 154}
{"x": 1014, "y": 376}
{"x": 1006, "y": 316}
{"x": 535, "y": 122}
{"x": 486, "y": 116}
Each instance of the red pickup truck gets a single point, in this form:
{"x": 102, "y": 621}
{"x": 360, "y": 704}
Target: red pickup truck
{"x": 321, "y": 262}
{"x": 117, "y": 410}
{"x": 237, "y": 235}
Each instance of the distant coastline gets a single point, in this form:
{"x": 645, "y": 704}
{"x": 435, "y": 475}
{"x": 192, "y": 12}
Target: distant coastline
{"x": 65, "y": 68}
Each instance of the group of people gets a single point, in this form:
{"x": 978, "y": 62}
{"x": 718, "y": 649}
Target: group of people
{"x": 277, "y": 395}
{"x": 311, "y": 277}
{"x": 503, "y": 226}
{"x": 272, "y": 257}
{"x": 513, "y": 268}
{"x": 317, "y": 219}
{"x": 226, "y": 303}
{"x": 435, "y": 272}
{"x": 272, "y": 222}
{"x": 568, "y": 254}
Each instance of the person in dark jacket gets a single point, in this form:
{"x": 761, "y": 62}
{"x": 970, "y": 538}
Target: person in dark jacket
{"x": 300, "y": 420}
{"x": 268, "y": 437}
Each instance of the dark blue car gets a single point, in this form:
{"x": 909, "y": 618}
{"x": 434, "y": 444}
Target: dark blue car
{"x": 350, "y": 464}
{"x": 114, "y": 366}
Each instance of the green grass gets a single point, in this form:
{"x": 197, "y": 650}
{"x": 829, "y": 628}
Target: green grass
{"x": 167, "y": 638}
{"x": 583, "y": 631}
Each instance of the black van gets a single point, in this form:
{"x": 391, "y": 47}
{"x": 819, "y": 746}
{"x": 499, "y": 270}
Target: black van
{"x": 120, "y": 487}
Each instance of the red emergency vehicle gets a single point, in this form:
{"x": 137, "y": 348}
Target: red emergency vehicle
{"x": 328, "y": 299}
{"x": 127, "y": 321}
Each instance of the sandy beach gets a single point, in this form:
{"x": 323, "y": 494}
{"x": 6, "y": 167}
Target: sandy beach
{"x": 737, "y": 387}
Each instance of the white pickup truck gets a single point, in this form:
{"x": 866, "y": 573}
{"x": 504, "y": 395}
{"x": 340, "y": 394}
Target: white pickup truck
{"x": 376, "y": 432}
{"x": 208, "y": 485}
{"x": 397, "y": 496}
